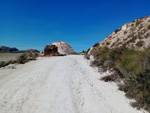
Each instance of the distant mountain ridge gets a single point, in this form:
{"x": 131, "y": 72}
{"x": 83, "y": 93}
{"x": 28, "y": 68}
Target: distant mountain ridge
{"x": 14, "y": 49}
{"x": 135, "y": 34}
{"x": 5, "y": 48}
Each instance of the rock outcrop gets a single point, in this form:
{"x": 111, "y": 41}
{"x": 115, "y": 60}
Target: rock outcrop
{"x": 4, "y": 48}
{"x": 135, "y": 34}
{"x": 51, "y": 50}
{"x": 63, "y": 48}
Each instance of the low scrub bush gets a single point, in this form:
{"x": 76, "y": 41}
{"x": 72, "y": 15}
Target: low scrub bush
{"x": 138, "y": 87}
{"x": 22, "y": 59}
{"x": 130, "y": 62}
{"x": 26, "y": 57}
{"x": 2, "y": 64}
{"x": 132, "y": 66}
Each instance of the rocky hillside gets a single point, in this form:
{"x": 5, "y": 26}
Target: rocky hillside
{"x": 63, "y": 47}
{"x": 126, "y": 53}
{"x": 135, "y": 34}
{"x": 4, "y": 48}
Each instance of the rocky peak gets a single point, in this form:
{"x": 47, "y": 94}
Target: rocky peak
{"x": 63, "y": 47}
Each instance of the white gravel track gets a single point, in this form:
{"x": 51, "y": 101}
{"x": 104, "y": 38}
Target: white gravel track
{"x": 59, "y": 85}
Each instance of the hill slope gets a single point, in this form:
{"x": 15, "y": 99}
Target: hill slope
{"x": 135, "y": 34}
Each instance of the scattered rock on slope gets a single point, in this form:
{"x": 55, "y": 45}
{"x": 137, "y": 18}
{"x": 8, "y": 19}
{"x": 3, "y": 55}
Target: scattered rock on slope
{"x": 63, "y": 48}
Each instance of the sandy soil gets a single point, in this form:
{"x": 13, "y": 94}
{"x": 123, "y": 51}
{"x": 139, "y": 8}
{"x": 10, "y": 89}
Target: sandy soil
{"x": 9, "y": 56}
{"x": 59, "y": 85}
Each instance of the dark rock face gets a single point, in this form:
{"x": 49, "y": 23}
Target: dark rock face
{"x": 51, "y": 50}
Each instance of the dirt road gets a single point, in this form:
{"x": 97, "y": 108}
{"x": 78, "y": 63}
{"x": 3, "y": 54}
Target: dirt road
{"x": 59, "y": 85}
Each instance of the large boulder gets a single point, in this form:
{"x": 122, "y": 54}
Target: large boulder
{"x": 51, "y": 50}
{"x": 63, "y": 48}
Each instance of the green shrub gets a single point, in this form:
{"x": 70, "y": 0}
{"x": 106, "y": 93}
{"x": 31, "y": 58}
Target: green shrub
{"x": 138, "y": 87}
{"x": 3, "y": 64}
{"x": 130, "y": 61}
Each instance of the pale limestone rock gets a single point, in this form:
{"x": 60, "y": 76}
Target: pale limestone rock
{"x": 63, "y": 48}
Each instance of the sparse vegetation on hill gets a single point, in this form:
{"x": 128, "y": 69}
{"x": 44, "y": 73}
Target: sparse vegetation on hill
{"x": 21, "y": 59}
{"x": 130, "y": 65}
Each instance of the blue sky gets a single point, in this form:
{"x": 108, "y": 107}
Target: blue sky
{"x": 33, "y": 24}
